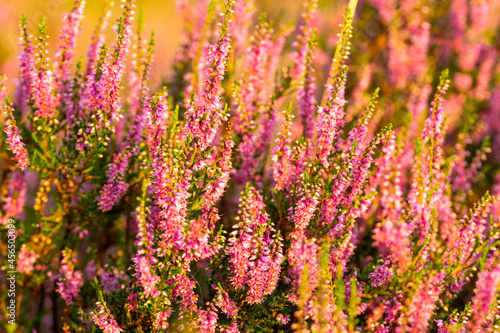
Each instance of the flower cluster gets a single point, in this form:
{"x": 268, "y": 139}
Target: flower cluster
{"x": 260, "y": 185}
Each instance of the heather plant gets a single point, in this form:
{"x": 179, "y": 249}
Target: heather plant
{"x": 258, "y": 187}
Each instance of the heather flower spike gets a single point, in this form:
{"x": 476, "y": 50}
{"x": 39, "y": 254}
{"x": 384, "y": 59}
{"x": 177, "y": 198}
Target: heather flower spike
{"x": 98, "y": 36}
{"x": 71, "y": 281}
{"x": 205, "y": 114}
{"x": 220, "y": 176}
{"x": 26, "y": 67}
{"x": 342, "y": 51}
{"x": 283, "y": 169}
{"x": 66, "y": 50}
{"x": 116, "y": 186}
{"x": 44, "y": 88}
{"x": 103, "y": 318}
{"x": 14, "y": 140}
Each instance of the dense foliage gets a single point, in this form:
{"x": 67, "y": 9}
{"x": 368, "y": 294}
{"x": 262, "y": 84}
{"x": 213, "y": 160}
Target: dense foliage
{"x": 241, "y": 196}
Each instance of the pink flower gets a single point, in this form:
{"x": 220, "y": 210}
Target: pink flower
{"x": 204, "y": 114}
{"x": 183, "y": 288}
{"x": 109, "y": 280}
{"x": 103, "y": 318}
{"x": 282, "y": 319}
{"x": 66, "y": 48}
{"x": 303, "y": 254}
{"x": 331, "y": 119}
{"x": 14, "y": 139}
{"x": 381, "y": 275}
{"x": 423, "y": 304}
{"x": 15, "y": 198}
{"x": 71, "y": 281}
{"x": 306, "y": 205}
{"x": 303, "y": 71}
{"x": 170, "y": 178}
{"x": 110, "y": 194}
{"x": 161, "y": 319}
{"x": 44, "y": 95}
{"x": 223, "y": 302}
{"x": 27, "y": 70}
{"x": 281, "y": 155}
{"x": 485, "y": 295}
{"x": 244, "y": 239}
{"x": 207, "y": 319}
{"x": 26, "y": 260}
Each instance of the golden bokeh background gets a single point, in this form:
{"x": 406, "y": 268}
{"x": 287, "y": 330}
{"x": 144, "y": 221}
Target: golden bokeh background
{"x": 160, "y": 16}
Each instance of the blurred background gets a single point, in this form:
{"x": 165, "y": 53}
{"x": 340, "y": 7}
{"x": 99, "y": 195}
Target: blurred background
{"x": 160, "y": 15}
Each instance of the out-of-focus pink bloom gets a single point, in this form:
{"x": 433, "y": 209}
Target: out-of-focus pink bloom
{"x": 243, "y": 14}
{"x": 303, "y": 71}
{"x": 386, "y": 9}
{"x": 98, "y": 37}
{"x": 485, "y": 295}
{"x": 90, "y": 270}
{"x": 15, "y": 198}
{"x": 71, "y": 281}
{"x": 3, "y": 90}
{"x": 26, "y": 260}
{"x": 331, "y": 119}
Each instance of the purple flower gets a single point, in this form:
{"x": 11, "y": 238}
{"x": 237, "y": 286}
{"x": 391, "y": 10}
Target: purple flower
{"x": 109, "y": 280}
{"x": 244, "y": 240}
{"x": 303, "y": 254}
{"x": 170, "y": 177}
{"x": 382, "y": 274}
